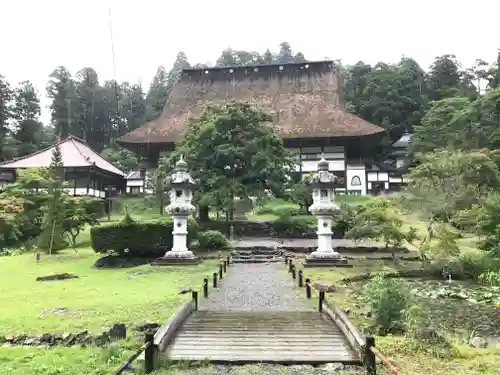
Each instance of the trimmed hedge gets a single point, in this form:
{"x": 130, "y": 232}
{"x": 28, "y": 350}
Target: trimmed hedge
{"x": 141, "y": 239}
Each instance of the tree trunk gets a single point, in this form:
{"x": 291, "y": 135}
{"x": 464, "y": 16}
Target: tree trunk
{"x": 203, "y": 213}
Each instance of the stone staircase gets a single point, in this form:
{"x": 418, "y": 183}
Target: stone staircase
{"x": 257, "y": 255}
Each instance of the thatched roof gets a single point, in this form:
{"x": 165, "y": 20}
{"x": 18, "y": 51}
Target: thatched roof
{"x": 304, "y": 100}
{"x": 75, "y": 154}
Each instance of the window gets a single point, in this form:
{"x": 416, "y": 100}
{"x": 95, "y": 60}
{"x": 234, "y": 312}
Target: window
{"x": 355, "y": 181}
{"x": 178, "y": 193}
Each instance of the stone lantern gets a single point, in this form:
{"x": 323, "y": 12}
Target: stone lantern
{"x": 323, "y": 207}
{"x": 181, "y": 186}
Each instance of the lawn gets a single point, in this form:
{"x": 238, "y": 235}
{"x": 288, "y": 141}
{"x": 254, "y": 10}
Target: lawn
{"x": 97, "y": 299}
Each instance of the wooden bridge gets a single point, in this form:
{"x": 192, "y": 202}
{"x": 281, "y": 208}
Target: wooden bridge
{"x": 258, "y": 315}
{"x": 248, "y": 337}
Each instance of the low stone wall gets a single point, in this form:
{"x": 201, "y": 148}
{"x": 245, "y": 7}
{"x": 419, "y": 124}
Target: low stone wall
{"x": 81, "y": 338}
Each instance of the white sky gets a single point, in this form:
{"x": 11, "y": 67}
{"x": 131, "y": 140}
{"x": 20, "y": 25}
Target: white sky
{"x": 39, "y": 35}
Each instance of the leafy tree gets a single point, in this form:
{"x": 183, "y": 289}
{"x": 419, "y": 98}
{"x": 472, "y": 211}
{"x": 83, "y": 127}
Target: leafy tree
{"x": 76, "y": 216}
{"x": 446, "y": 182}
{"x": 51, "y": 236}
{"x": 444, "y": 78}
{"x": 61, "y": 89}
{"x": 158, "y": 93}
{"x": 25, "y": 112}
{"x": 120, "y": 157}
{"x": 236, "y": 152}
{"x": 285, "y": 54}
{"x": 379, "y": 222}
{"x": 5, "y": 114}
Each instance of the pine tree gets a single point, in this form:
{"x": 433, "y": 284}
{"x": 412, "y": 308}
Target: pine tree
{"x": 51, "y": 237}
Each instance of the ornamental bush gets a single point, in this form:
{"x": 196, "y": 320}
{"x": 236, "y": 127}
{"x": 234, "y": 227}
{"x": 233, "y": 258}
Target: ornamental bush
{"x": 150, "y": 238}
{"x": 212, "y": 240}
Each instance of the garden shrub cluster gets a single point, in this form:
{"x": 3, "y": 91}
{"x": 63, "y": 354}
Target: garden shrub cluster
{"x": 145, "y": 238}
{"x": 212, "y": 240}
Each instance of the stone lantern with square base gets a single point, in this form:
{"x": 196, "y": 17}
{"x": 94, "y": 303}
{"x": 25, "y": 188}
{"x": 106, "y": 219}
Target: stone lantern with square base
{"x": 181, "y": 186}
{"x": 324, "y": 207}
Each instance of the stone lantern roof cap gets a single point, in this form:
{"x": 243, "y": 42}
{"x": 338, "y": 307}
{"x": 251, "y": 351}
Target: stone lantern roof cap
{"x": 181, "y": 165}
{"x": 323, "y": 164}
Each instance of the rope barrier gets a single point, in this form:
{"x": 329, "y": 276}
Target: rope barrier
{"x": 385, "y": 361}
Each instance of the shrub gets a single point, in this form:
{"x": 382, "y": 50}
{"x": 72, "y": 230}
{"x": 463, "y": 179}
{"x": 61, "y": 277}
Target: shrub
{"x": 289, "y": 226}
{"x": 389, "y": 299}
{"x": 150, "y": 238}
{"x": 213, "y": 240}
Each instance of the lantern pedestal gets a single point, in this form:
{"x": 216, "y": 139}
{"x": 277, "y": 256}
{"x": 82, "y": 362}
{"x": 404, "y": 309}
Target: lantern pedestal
{"x": 181, "y": 184}
{"x": 323, "y": 208}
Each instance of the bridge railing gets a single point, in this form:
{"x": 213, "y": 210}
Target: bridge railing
{"x": 155, "y": 343}
{"x": 363, "y": 346}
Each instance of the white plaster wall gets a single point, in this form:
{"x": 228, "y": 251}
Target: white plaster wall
{"x": 312, "y": 166}
{"x": 356, "y": 171}
{"x": 372, "y": 176}
{"x": 135, "y": 183}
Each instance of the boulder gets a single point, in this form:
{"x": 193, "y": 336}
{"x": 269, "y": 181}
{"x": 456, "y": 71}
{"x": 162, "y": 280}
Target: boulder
{"x": 118, "y": 331}
{"x": 327, "y": 288}
{"x": 479, "y": 343}
{"x": 58, "y": 276}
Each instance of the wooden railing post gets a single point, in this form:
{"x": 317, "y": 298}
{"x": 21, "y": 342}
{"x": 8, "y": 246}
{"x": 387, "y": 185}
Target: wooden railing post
{"x": 149, "y": 353}
{"x": 214, "y": 279}
{"x": 205, "y": 287}
{"x": 301, "y": 280}
{"x": 286, "y": 259}
{"x": 294, "y": 274}
{"x": 370, "y": 360}
{"x": 228, "y": 260}
{"x": 225, "y": 266}
{"x": 321, "y": 299}
{"x": 221, "y": 271}
{"x": 290, "y": 265}
{"x": 195, "y": 299}
{"x": 308, "y": 288}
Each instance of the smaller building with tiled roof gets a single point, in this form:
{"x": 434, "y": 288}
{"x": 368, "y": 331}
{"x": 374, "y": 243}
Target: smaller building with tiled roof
{"x": 86, "y": 172}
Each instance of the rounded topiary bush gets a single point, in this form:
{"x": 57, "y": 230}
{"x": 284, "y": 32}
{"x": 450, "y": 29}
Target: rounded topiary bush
{"x": 213, "y": 240}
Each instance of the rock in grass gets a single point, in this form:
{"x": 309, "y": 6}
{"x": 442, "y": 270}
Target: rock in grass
{"x": 58, "y": 276}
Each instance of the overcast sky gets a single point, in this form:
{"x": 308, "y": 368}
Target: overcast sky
{"x": 38, "y": 35}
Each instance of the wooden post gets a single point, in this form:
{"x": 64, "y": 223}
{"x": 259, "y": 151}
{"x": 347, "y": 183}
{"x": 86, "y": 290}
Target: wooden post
{"x": 370, "y": 361}
{"x": 228, "y": 260}
{"x": 290, "y": 264}
{"x": 321, "y": 299}
{"x": 294, "y": 274}
{"x": 301, "y": 280}
{"x": 286, "y": 259}
{"x": 149, "y": 353}
{"x": 308, "y": 288}
{"x": 221, "y": 271}
{"x": 225, "y": 266}
{"x": 194, "y": 293}
{"x": 214, "y": 279}
{"x": 205, "y": 287}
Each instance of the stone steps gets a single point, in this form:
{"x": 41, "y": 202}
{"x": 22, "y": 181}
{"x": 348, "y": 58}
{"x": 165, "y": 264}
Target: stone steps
{"x": 257, "y": 255}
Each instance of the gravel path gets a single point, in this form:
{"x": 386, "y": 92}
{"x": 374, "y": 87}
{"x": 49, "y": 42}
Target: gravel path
{"x": 257, "y": 287}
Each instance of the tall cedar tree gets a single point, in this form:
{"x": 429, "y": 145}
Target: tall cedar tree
{"x": 51, "y": 237}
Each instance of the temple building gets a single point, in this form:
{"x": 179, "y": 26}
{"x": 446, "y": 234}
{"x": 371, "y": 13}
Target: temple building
{"x": 305, "y": 102}
{"x": 85, "y": 171}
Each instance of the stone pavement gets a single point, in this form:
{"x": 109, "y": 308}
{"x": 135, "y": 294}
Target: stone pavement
{"x": 257, "y": 287}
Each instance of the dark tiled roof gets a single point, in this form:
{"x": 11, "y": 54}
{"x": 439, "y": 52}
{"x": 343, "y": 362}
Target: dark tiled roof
{"x": 303, "y": 100}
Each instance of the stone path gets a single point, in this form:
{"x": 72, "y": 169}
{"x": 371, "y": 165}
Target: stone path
{"x": 257, "y": 287}
{"x": 268, "y": 369}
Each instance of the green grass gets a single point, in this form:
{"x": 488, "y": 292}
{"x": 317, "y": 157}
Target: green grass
{"x": 408, "y": 355}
